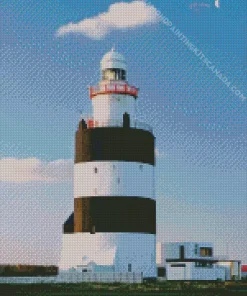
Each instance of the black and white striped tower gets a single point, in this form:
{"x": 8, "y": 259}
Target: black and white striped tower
{"x": 114, "y": 219}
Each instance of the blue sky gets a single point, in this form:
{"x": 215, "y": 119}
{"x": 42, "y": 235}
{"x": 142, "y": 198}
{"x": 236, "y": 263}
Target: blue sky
{"x": 199, "y": 123}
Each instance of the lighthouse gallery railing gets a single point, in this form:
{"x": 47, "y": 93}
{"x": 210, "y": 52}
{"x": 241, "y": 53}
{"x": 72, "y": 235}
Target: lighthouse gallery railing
{"x": 113, "y": 88}
{"x": 91, "y": 123}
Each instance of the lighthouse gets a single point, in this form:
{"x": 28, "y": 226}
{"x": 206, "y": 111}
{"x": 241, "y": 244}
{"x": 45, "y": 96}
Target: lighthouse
{"x": 113, "y": 226}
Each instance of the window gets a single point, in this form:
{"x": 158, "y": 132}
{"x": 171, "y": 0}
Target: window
{"x": 114, "y": 74}
{"x": 161, "y": 272}
{"x": 204, "y": 264}
{"x": 95, "y": 170}
{"x": 181, "y": 252}
{"x": 126, "y": 120}
{"x": 109, "y": 75}
{"x": 141, "y": 167}
{"x": 129, "y": 268}
{"x": 206, "y": 252}
{"x": 196, "y": 249}
{"x": 118, "y": 180}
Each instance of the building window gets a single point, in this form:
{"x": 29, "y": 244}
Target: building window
{"x": 181, "y": 252}
{"x": 118, "y": 180}
{"x": 129, "y": 268}
{"x": 204, "y": 264}
{"x": 141, "y": 167}
{"x": 206, "y": 252}
{"x": 161, "y": 272}
{"x": 95, "y": 170}
{"x": 126, "y": 120}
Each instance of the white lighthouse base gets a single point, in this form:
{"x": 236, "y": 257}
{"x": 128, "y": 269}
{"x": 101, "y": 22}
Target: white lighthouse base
{"x": 117, "y": 252}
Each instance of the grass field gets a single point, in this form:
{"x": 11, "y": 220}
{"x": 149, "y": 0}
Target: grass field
{"x": 152, "y": 289}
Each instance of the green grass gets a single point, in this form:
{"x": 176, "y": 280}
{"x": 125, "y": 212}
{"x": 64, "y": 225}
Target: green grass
{"x": 152, "y": 289}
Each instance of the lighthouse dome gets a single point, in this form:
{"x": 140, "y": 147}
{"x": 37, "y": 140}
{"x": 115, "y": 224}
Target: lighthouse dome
{"x": 113, "y": 60}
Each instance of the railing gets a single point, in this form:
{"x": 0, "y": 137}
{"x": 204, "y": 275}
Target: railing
{"x": 91, "y": 123}
{"x": 113, "y": 88}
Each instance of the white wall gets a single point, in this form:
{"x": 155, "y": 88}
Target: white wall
{"x": 190, "y": 272}
{"x": 119, "y": 249}
{"x": 172, "y": 250}
{"x": 111, "y": 107}
{"x": 78, "y": 277}
{"x": 100, "y": 277}
{"x": 135, "y": 179}
{"x": 28, "y": 280}
{"x": 210, "y": 274}
{"x": 175, "y": 273}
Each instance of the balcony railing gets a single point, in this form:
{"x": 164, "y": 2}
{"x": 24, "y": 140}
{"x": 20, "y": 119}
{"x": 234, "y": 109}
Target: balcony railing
{"x": 113, "y": 89}
{"x": 91, "y": 123}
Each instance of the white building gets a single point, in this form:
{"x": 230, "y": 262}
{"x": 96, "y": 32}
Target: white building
{"x": 194, "y": 261}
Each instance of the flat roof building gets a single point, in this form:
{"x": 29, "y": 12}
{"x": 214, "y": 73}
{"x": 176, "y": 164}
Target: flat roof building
{"x": 194, "y": 261}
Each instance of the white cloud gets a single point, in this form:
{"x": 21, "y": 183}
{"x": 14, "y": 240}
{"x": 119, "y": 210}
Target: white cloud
{"x": 199, "y": 6}
{"x": 217, "y": 3}
{"x": 32, "y": 169}
{"x": 120, "y": 15}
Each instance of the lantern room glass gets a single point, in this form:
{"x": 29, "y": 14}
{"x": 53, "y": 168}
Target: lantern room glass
{"x": 114, "y": 74}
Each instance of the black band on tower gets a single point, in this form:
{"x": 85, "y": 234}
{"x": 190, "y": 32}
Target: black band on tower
{"x": 114, "y": 143}
{"x": 113, "y": 214}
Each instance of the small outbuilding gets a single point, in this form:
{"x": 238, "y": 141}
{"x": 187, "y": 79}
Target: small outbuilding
{"x": 194, "y": 261}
